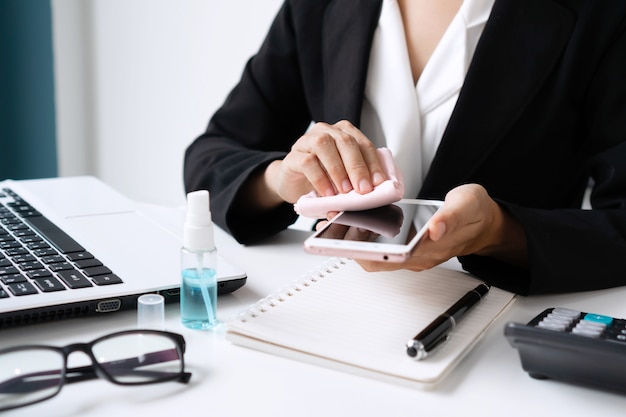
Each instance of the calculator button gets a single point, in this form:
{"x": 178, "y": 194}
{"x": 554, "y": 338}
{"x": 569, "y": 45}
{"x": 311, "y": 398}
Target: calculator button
{"x": 582, "y": 331}
{"x": 553, "y": 325}
{"x": 588, "y": 330}
{"x": 559, "y": 319}
{"x": 591, "y": 325}
{"x": 598, "y": 318}
{"x": 574, "y": 314}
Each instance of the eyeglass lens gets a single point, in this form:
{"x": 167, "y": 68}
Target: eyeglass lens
{"x": 138, "y": 358}
{"x": 29, "y": 376}
{"x": 32, "y": 374}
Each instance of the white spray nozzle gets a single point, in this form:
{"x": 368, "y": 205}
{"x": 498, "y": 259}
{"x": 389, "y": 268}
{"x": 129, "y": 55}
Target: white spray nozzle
{"x": 198, "y": 229}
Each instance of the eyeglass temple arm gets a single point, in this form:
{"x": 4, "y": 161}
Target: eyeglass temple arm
{"x": 129, "y": 365}
{"x": 31, "y": 382}
{"x": 45, "y": 379}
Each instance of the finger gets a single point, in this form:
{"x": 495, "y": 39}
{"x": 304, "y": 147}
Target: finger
{"x": 360, "y": 235}
{"x": 436, "y": 230}
{"x": 336, "y": 231}
{"x": 327, "y": 166}
{"x": 349, "y": 158}
{"x": 313, "y": 170}
{"x": 344, "y": 157}
{"x": 321, "y": 224}
{"x": 343, "y": 161}
{"x": 375, "y": 266}
{"x": 448, "y": 216}
{"x": 360, "y": 158}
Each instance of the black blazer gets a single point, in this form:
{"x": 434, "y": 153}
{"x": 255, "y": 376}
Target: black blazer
{"x": 541, "y": 113}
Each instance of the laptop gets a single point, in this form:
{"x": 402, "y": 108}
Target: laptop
{"x": 73, "y": 246}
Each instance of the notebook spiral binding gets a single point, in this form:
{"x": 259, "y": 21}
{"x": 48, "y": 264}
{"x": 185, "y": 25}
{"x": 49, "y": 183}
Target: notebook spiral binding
{"x": 283, "y": 294}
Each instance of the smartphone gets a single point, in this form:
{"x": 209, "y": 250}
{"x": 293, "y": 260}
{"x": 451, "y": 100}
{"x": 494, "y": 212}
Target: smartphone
{"x": 389, "y": 233}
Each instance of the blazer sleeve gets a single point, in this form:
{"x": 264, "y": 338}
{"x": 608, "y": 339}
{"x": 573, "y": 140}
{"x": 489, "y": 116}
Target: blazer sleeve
{"x": 575, "y": 249}
{"x": 258, "y": 122}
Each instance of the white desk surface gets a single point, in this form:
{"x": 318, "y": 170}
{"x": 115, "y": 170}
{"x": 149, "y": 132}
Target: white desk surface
{"x": 229, "y": 380}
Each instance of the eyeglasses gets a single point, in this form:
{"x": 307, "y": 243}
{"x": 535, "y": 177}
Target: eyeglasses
{"x": 34, "y": 373}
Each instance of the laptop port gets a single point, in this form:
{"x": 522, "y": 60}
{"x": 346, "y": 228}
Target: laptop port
{"x": 108, "y": 306}
{"x": 172, "y": 292}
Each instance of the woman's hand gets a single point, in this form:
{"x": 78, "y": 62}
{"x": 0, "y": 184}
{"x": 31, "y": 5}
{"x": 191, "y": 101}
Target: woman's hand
{"x": 469, "y": 222}
{"x": 329, "y": 159}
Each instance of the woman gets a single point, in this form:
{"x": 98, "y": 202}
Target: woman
{"x": 506, "y": 109}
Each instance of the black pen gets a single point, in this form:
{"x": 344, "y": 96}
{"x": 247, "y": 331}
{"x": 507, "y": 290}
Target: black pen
{"x": 437, "y": 331}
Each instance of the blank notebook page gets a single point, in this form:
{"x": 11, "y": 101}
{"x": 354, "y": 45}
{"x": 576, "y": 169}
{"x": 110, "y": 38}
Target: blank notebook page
{"x": 345, "y": 318}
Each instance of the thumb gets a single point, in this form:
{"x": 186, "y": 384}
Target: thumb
{"x": 436, "y": 230}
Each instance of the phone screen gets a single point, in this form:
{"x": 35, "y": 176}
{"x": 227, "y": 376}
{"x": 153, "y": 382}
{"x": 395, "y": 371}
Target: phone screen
{"x": 396, "y": 223}
{"x": 392, "y": 229}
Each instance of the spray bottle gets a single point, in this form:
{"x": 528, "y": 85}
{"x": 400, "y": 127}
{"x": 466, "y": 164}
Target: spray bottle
{"x": 198, "y": 295}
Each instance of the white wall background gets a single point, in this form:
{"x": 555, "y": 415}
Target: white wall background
{"x": 137, "y": 80}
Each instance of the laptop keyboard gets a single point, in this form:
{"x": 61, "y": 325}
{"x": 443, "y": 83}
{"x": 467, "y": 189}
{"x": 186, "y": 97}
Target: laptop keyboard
{"x": 38, "y": 257}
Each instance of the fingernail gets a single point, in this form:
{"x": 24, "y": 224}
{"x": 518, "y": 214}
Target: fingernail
{"x": 378, "y": 178}
{"x": 440, "y": 230}
{"x": 346, "y": 185}
{"x": 329, "y": 192}
{"x": 365, "y": 186}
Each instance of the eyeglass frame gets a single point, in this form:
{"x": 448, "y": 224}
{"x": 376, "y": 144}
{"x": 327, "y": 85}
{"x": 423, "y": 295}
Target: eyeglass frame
{"x": 95, "y": 369}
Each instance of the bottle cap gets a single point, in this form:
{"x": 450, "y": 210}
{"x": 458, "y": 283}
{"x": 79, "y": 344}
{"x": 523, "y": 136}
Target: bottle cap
{"x": 198, "y": 228}
{"x": 150, "y": 312}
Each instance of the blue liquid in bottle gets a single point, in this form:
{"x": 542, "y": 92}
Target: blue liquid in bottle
{"x": 198, "y": 289}
{"x": 198, "y": 298}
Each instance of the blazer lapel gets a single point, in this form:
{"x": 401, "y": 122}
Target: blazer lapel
{"x": 347, "y": 37}
{"x": 519, "y": 47}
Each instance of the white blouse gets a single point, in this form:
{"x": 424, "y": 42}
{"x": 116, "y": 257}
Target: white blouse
{"x": 410, "y": 119}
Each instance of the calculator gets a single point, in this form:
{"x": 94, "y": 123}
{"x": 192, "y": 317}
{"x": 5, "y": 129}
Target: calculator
{"x": 573, "y": 346}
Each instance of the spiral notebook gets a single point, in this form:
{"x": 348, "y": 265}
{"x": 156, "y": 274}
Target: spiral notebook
{"x": 344, "y": 318}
